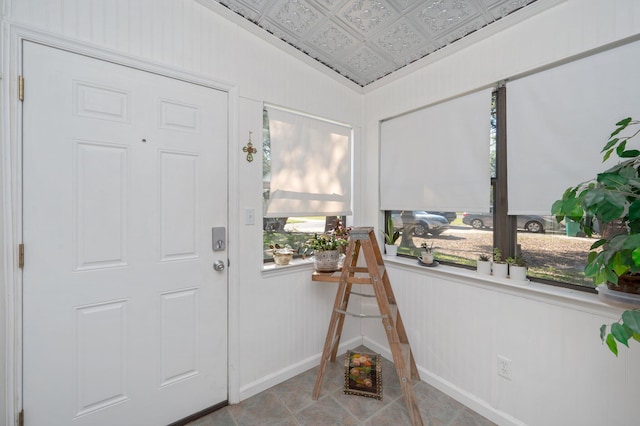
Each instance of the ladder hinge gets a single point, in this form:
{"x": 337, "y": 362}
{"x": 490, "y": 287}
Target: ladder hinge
{"x": 21, "y": 418}
{"x": 21, "y": 88}
{"x": 21, "y": 256}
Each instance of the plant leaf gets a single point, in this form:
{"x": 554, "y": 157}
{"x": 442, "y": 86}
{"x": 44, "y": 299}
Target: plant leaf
{"x": 611, "y": 343}
{"x": 610, "y": 144}
{"x": 631, "y": 153}
{"x": 620, "y": 333}
{"x": 603, "y": 331}
{"x": 632, "y": 320}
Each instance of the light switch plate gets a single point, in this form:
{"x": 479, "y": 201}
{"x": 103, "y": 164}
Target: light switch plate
{"x": 249, "y": 216}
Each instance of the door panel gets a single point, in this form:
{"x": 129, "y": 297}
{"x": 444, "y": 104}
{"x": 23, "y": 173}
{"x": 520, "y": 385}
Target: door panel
{"x": 125, "y": 174}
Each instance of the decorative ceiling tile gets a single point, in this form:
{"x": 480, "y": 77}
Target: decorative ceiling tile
{"x": 441, "y": 15}
{"x": 399, "y": 39}
{"x": 332, "y": 40}
{"x": 365, "y": 16}
{"x": 364, "y": 40}
{"x": 365, "y": 61}
{"x": 297, "y": 16}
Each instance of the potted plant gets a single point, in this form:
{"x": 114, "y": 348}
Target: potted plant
{"x": 426, "y": 254}
{"x": 500, "y": 267}
{"x": 483, "y": 265}
{"x": 282, "y": 255}
{"x": 326, "y": 251}
{"x": 612, "y": 197}
{"x": 517, "y": 268}
{"x": 390, "y": 238}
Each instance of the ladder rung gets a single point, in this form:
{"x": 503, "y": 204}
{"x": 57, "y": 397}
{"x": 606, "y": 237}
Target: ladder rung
{"x": 340, "y": 311}
{"x": 363, "y": 294}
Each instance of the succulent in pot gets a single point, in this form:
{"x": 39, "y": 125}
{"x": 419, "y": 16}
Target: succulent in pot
{"x": 390, "y": 238}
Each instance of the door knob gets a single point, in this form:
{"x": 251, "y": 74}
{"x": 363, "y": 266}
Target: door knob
{"x": 218, "y": 265}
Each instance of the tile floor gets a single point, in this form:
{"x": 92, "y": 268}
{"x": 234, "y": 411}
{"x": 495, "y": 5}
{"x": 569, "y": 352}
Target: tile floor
{"x": 290, "y": 403}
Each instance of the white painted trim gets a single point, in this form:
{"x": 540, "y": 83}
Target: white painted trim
{"x": 233, "y": 272}
{"x": 13, "y": 37}
{"x": 285, "y": 374}
{"x": 577, "y": 300}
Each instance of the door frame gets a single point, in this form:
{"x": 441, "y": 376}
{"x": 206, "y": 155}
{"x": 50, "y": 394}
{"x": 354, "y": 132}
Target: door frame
{"x": 12, "y": 37}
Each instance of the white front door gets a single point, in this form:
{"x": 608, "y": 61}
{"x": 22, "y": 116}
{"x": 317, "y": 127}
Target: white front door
{"x": 124, "y": 176}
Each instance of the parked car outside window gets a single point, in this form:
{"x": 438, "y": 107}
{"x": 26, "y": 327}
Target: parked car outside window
{"x": 419, "y": 223}
{"x": 530, "y": 223}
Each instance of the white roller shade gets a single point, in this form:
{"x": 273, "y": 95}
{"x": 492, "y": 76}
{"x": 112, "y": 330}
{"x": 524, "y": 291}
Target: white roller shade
{"x": 437, "y": 158}
{"x": 559, "y": 119}
{"x": 310, "y": 166}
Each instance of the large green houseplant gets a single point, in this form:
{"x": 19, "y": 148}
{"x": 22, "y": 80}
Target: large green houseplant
{"x": 612, "y": 199}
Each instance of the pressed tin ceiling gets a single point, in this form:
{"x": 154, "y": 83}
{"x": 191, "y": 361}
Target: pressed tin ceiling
{"x": 364, "y": 40}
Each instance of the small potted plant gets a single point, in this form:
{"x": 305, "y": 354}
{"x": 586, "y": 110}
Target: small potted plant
{"x": 517, "y": 268}
{"x": 483, "y": 265}
{"x": 326, "y": 251}
{"x": 281, "y": 255}
{"x": 426, "y": 253}
{"x": 500, "y": 267}
{"x": 390, "y": 238}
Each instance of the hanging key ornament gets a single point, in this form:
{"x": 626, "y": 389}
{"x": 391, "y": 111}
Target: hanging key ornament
{"x": 249, "y": 149}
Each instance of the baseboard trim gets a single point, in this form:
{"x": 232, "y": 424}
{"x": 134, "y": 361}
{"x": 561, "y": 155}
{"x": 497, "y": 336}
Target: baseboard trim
{"x": 266, "y": 382}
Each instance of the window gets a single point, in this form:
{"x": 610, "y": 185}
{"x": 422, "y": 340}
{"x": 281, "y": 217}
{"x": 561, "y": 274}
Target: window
{"x": 306, "y": 177}
{"x": 458, "y": 238}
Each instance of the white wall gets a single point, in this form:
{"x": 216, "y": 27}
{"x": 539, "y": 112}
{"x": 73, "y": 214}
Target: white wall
{"x": 562, "y": 373}
{"x": 280, "y": 319}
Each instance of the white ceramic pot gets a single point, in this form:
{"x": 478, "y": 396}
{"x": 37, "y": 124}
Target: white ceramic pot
{"x": 427, "y": 258}
{"x": 484, "y": 267}
{"x": 500, "y": 270}
{"x": 391, "y": 249}
{"x": 326, "y": 260}
{"x": 518, "y": 273}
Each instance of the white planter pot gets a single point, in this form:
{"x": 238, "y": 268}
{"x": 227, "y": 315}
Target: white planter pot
{"x": 500, "y": 270}
{"x": 484, "y": 267}
{"x": 391, "y": 249}
{"x": 518, "y": 273}
{"x": 427, "y": 258}
{"x": 326, "y": 260}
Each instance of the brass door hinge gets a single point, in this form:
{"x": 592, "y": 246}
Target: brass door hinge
{"x": 21, "y": 88}
{"x": 21, "y": 256}
{"x": 21, "y": 418}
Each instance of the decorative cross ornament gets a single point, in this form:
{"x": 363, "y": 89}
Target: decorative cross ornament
{"x": 249, "y": 149}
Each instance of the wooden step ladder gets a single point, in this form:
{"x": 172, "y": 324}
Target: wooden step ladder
{"x": 375, "y": 274}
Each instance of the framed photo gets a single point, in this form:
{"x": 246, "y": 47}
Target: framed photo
{"x": 363, "y": 374}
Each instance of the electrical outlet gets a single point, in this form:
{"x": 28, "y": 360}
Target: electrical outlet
{"x": 504, "y": 367}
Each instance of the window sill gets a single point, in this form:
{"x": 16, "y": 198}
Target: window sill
{"x": 544, "y": 293}
{"x": 293, "y": 266}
